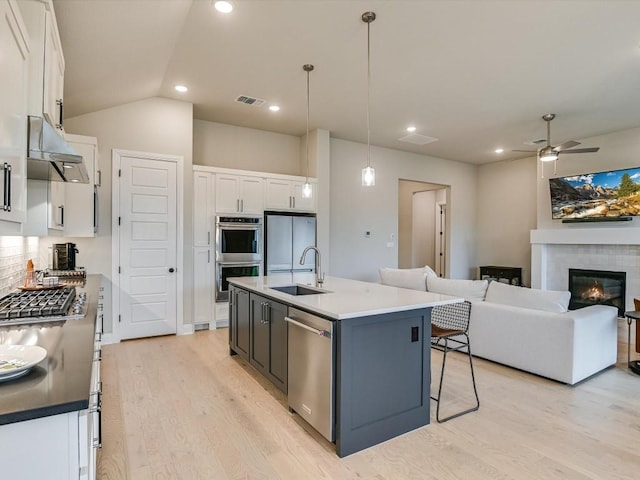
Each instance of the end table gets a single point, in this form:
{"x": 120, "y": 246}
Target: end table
{"x": 630, "y": 316}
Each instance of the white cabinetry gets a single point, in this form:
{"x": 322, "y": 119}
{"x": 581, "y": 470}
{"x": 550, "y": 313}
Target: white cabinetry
{"x": 285, "y": 194}
{"x": 203, "y": 286}
{"x": 239, "y": 194}
{"x": 65, "y": 444}
{"x": 46, "y": 76}
{"x": 203, "y": 239}
{"x": 14, "y": 68}
{"x": 81, "y": 199}
{"x": 55, "y": 202}
{"x": 203, "y": 209}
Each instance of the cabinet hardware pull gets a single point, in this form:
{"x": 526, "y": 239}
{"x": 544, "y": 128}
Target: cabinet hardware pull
{"x": 99, "y": 183}
{"x": 237, "y": 204}
{"x": 95, "y": 209}
{"x": 60, "y": 113}
{"x": 294, "y": 202}
{"x": 242, "y": 205}
{"x": 98, "y": 357}
{"x": 208, "y": 256}
{"x": 7, "y": 187}
{"x": 61, "y": 210}
{"x": 208, "y": 238}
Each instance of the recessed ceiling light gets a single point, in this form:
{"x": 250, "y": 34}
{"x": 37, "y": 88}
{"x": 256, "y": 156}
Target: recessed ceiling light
{"x": 181, "y": 88}
{"x": 499, "y": 150}
{"x": 411, "y": 129}
{"x": 274, "y": 108}
{"x": 223, "y": 6}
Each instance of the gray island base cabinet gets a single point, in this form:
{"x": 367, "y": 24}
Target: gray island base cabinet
{"x": 382, "y": 355}
{"x": 382, "y": 378}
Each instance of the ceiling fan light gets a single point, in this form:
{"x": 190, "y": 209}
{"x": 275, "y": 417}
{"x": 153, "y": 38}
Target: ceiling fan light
{"x": 548, "y": 154}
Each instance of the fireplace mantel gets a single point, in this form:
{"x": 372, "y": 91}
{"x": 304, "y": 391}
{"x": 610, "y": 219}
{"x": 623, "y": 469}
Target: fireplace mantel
{"x": 606, "y": 248}
{"x": 586, "y": 236}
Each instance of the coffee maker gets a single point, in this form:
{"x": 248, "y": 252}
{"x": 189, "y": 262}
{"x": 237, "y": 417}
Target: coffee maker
{"x": 64, "y": 256}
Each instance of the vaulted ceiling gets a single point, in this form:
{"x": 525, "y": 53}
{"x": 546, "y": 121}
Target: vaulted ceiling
{"x": 475, "y": 74}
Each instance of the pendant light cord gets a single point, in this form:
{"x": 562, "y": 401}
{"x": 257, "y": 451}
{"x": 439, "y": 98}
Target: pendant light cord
{"x": 308, "y": 70}
{"x": 368, "y": 92}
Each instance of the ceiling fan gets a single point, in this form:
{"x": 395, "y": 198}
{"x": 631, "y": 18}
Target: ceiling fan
{"x": 550, "y": 153}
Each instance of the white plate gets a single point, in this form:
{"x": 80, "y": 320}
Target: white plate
{"x": 16, "y": 360}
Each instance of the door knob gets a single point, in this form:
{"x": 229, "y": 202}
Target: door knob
{"x": 171, "y": 270}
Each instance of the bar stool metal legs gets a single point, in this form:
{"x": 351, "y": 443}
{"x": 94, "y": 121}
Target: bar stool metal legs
{"x": 448, "y": 324}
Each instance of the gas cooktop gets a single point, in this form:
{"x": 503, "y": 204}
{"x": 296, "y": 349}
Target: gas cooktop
{"x": 42, "y": 306}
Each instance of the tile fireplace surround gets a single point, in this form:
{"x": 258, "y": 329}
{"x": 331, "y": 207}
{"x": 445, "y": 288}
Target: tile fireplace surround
{"x": 554, "y": 251}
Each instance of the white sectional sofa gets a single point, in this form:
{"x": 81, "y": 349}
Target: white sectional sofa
{"x": 528, "y": 329}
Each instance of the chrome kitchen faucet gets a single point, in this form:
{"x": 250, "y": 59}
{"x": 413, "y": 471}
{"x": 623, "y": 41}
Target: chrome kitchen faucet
{"x": 319, "y": 274}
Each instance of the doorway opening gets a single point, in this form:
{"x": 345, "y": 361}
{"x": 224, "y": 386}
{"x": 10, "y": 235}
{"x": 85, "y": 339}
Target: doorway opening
{"x": 423, "y": 230}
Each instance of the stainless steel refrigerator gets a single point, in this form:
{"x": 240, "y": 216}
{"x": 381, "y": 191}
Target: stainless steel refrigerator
{"x": 286, "y": 236}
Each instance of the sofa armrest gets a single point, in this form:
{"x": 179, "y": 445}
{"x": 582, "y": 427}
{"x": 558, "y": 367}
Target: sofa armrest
{"x": 566, "y": 346}
{"x": 595, "y": 338}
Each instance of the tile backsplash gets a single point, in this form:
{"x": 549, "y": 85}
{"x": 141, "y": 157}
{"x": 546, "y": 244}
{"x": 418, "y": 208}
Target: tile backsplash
{"x": 14, "y": 254}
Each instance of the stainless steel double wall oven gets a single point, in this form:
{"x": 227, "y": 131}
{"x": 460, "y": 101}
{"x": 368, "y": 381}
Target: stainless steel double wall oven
{"x": 238, "y": 250}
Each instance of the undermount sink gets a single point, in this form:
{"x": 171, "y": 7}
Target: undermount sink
{"x": 298, "y": 290}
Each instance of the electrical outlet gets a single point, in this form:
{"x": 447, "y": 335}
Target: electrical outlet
{"x": 367, "y": 234}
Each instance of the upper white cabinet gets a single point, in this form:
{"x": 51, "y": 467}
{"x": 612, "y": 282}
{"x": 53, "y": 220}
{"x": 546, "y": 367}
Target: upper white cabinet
{"x": 239, "y": 194}
{"x": 14, "y": 69}
{"x": 285, "y": 194}
{"x": 203, "y": 209}
{"x": 81, "y": 199}
{"x": 56, "y": 205}
{"x": 46, "y": 75}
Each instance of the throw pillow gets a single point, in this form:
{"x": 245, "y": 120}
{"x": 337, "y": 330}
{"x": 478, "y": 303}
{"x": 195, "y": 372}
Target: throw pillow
{"x": 472, "y": 290}
{"x": 429, "y": 271}
{"x": 545, "y": 300}
{"x": 413, "y": 278}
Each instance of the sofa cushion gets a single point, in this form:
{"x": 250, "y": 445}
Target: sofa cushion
{"x": 472, "y": 290}
{"x": 413, "y": 278}
{"x": 544, "y": 300}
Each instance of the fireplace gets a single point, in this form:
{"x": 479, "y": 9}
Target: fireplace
{"x": 597, "y": 287}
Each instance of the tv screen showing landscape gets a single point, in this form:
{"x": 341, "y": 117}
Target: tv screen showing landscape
{"x": 596, "y": 195}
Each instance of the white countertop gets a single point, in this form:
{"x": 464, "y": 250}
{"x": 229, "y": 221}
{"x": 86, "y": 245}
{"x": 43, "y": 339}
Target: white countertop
{"x": 344, "y": 298}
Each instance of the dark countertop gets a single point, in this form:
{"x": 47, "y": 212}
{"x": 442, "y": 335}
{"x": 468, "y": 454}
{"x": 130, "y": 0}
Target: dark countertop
{"x": 61, "y": 383}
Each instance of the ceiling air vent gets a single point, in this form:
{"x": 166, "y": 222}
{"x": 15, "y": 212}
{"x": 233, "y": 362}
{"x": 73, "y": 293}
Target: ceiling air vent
{"x": 247, "y": 100}
{"x": 418, "y": 139}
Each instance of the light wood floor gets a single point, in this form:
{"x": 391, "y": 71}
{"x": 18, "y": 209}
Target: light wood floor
{"x": 181, "y": 408}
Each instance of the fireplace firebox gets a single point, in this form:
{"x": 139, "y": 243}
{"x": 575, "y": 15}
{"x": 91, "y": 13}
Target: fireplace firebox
{"x": 597, "y": 287}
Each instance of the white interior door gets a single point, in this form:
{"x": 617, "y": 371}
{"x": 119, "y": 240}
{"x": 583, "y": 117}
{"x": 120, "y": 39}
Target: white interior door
{"x": 441, "y": 239}
{"x": 147, "y": 247}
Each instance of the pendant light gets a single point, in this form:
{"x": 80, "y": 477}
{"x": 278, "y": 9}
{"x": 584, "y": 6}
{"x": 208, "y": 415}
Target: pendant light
{"x": 368, "y": 173}
{"x": 307, "y": 191}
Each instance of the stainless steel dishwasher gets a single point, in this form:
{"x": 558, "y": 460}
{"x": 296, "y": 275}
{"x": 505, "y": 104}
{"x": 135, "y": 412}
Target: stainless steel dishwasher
{"x": 310, "y": 375}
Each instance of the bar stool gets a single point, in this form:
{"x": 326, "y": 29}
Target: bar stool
{"x": 450, "y": 333}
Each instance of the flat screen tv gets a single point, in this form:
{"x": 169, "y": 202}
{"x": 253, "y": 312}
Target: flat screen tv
{"x": 601, "y": 195}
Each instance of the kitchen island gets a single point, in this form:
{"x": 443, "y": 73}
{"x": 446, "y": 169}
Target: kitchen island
{"x": 49, "y": 418}
{"x": 380, "y": 344}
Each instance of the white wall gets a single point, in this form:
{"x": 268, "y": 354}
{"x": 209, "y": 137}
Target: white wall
{"x": 228, "y": 146}
{"x": 154, "y": 125}
{"x": 356, "y": 209}
{"x": 506, "y": 212}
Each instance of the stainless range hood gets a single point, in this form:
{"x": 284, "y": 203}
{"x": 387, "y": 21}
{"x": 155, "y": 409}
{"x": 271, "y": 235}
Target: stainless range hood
{"x": 50, "y": 157}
